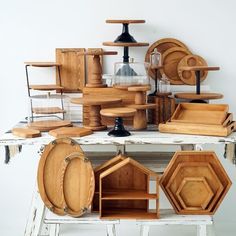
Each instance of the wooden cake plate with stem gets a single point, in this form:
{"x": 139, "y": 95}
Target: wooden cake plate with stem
{"x": 95, "y": 107}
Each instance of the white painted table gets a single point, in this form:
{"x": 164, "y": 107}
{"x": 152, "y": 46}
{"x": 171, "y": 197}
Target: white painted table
{"x": 39, "y": 221}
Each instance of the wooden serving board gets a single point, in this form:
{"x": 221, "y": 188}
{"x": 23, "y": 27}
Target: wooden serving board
{"x": 127, "y": 98}
{"x": 197, "y": 113}
{"x": 65, "y": 178}
{"x": 65, "y": 132}
{"x": 72, "y": 69}
{"x": 26, "y": 132}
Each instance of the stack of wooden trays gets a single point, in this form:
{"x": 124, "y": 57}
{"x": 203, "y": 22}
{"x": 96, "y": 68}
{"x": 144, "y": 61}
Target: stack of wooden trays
{"x": 200, "y": 119}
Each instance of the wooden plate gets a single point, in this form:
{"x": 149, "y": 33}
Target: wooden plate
{"x": 65, "y": 132}
{"x": 162, "y": 45}
{"x": 188, "y": 77}
{"x": 60, "y": 173}
{"x": 170, "y": 61}
{"x": 26, "y": 132}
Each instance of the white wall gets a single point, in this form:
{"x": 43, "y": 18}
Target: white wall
{"x": 31, "y": 30}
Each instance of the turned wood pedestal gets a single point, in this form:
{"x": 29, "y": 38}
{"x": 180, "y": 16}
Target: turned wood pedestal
{"x": 95, "y": 107}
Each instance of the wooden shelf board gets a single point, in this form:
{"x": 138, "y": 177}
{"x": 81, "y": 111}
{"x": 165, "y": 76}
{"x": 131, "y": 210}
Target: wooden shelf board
{"x": 46, "y": 87}
{"x": 125, "y": 21}
{"x": 42, "y": 64}
{"x": 131, "y": 195}
{"x": 48, "y": 110}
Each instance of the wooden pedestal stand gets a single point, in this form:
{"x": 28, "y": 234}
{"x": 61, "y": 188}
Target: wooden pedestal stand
{"x": 95, "y": 107}
{"x": 118, "y": 113}
{"x": 140, "y": 117}
{"x": 96, "y": 79}
{"x": 198, "y": 96}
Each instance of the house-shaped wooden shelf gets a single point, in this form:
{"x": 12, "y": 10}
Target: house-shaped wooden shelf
{"x": 124, "y": 192}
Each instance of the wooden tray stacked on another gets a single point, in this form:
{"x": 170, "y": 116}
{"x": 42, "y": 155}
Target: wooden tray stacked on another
{"x": 200, "y": 119}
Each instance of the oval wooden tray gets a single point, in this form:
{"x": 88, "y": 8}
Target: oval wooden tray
{"x": 170, "y": 61}
{"x": 188, "y": 77}
{"x": 50, "y": 176}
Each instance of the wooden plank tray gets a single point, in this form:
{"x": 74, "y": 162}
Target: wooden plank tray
{"x": 196, "y": 113}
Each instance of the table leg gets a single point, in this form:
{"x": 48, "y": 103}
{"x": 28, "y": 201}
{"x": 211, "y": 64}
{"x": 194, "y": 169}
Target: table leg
{"x": 201, "y": 230}
{"x": 144, "y": 230}
{"x": 111, "y": 230}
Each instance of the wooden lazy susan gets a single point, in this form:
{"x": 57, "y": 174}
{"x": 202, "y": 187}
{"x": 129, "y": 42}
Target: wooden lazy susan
{"x": 95, "y": 107}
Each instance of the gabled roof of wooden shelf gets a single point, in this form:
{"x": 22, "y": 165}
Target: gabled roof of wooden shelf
{"x": 42, "y": 64}
{"x": 45, "y": 87}
{"x": 128, "y": 160}
{"x": 48, "y": 110}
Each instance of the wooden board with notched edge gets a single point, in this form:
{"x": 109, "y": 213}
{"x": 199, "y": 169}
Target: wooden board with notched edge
{"x": 162, "y": 45}
{"x": 188, "y": 77}
{"x": 72, "y": 69}
{"x": 26, "y": 132}
{"x": 127, "y": 98}
{"x": 65, "y": 132}
{"x": 62, "y": 173}
{"x": 170, "y": 61}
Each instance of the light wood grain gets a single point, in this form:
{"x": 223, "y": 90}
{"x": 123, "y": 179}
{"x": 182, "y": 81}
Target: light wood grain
{"x": 45, "y": 87}
{"x": 138, "y": 44}
{"x": 202, "y": 96}
{"x": 201, "y": 68}
{"x": 48, "y": 110}
{"x": 97, "y": 52}
{"x": 125, "y": 21}
{"x": 42, "y": 64}
{"x": 26, "y": 132}
{"x": 118, "y": 112}
{"x": 65, "y": 132}
{"x": 95, "y": 101}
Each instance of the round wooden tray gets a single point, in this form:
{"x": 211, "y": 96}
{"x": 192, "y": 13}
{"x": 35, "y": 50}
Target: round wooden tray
{"x": 162, "y": 45}
{"x": 118, "y": 112}
{"x": 97, "y": 53}
{"x": 65, "y": 178}
{"x": 95, "y": 101}
{"x": 188, "y": 77}
{"x": 170, "y": 60}
{"x": 202, "y": 96}
{"x": 138, "y": 44}
{"x": 125, "y": 21}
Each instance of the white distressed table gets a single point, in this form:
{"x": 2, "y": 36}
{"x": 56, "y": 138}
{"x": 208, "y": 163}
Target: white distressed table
{"x": 39, "y": 218}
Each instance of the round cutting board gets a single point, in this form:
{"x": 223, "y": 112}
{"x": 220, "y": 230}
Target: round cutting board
{"x": 170, "y": 61}
{"x": 188, "y": 77}
{"x": 162, "y": 45}
{"x": 61, "y": 173}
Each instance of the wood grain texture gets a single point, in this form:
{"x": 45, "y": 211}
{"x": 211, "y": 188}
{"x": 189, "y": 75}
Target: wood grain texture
{"x": 138, "y": 44}
{"x": 125, "y": 21}
{"x": 118, "y": 112}
{"x": 45, "y": 87}
{"x": 201, "y": 68}
{"x": 202, "y": 96}
{"x": 42, "y": 64}
{"x": 72, "y": 69}
{"x": 48, "y": 110}
{"x": 96, "y": 101}
{"x": 66, "y": 132}
{"x": 26, "y": 132}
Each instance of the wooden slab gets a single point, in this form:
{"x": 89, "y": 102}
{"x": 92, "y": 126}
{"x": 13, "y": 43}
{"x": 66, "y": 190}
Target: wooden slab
{"x": 170, "y": 60}
{"x": 48, "y": 110}
{"x": 47, "y": 125}
{"x": 72, "y": 69}
{"x": 42, "y": 64}
{"x": 45, "y": 87}
{"x": 189, "y": 77}
{"x": 197, "y": 113}
{"x": 138, "y": 44}
{"x": 65, "y": 132}
{"x": 228, "y": 119}
{"x": 95, "y": 101}
{"x": 125, "y": 21}
{"x": 26, "y": 132}
{"x": 202, "y": 96}
{"x": 201, "y": 68}
{"x": 118, "y": 112}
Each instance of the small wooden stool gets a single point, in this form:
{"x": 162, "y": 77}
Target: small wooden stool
{"x": 140, "y": 117}
{"x": 96, "y": 79}
{"x": 118, "y": 113}
{"x": 95, "y": 107}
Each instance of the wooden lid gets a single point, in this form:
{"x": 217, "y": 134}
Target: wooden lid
{"x": 125, "y": 44}
{"x": 46, "y": 125}
{"x": 118, "y": 112}
{"x": 202, "y": 96}
{"x": 95, "y": 100}
{"x": 42, "y": 64}
{"x": 139, "y": 88}
{"x": 45, "y": 87}
{"x": 187, "y": 76}
{"x": 125, "y": 21}
{"x": 65, "y": 132}
{"x": 26, "y": 132}
{"x": 143, "y": 106}
{"x": 65, "y": 178}
{"x": 97, "y": 53}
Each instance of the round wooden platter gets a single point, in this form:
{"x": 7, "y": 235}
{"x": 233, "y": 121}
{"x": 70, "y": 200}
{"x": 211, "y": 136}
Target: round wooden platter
{"x": 97, "y": 53}
{"x": 138, "y": 44}
{"x": 139, "y": 88}
{"x": 202, "y": 96}
{"x": 26, "y": 132}
{"x": 95, "y": 101}
{"x": 118, "y": 112}
{"x": 46, "y": 125}
{"x": 46, "y": 87}
{"x": 125, "y": 21}
{"x": 162, "y": 45}
{"x": 170, "y": 60}
{"x": 187, "y": 76}
{"x": 65, "y": 178}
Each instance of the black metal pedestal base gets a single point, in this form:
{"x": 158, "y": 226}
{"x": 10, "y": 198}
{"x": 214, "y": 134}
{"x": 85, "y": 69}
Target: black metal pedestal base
{"x": 119, "y": 129}
{"x": 125, "y": 37}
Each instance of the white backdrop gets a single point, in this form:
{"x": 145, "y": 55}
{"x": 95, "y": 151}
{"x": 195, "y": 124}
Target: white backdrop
{"x": 31, "y": 30}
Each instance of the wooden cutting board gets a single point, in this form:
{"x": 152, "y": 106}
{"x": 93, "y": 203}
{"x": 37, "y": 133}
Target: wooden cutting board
{"x": 65, "y": 178}
{"x": 72, "y": 69}
{"x": 170, "y": 61}
{"x": 188, "y": 77}
{"x": 198, "y": 113}
{"x": 26, "y": 132}
{"x": 65, "y": 132}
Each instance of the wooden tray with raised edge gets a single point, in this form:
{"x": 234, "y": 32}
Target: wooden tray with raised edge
{"x": 26, "y": 132}
{"x": 65, "y": 178}
{"x": 65, "y": 132}
{"x": 188, "y": 77}
{"x": 197, "y": 113}
{"x": 170, "y": 61}
{"x": 162, "y": 45}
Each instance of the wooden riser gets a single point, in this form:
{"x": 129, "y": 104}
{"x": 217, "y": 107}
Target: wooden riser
{"x": 48, "y": 110}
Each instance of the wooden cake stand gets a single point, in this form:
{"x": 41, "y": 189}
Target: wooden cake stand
{"x": 95, "y": 107}
{"x": 118, "y": 113}
{"x": 140, "y": 117}
{"x": 96, "y": 79}
{"x": 198, "y": 96}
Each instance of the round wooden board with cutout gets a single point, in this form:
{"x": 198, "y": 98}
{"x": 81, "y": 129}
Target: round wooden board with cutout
{"x": 162, "y": 45}
{"x": 65, "y": 178}
{"x": 170, "y": 61}
{"x": 188, "y": 77}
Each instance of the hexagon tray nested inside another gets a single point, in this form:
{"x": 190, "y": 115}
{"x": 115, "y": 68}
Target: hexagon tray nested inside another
{"x": 195, "y": 182}
{"x": 65, "y": 178}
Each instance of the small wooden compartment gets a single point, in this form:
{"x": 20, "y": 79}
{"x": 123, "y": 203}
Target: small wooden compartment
{"x": 125, "y": 194}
